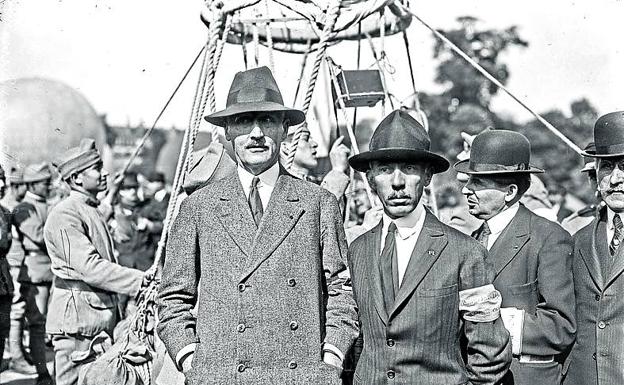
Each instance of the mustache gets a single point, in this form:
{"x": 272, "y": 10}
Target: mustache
{"x": 399, "y": 195}
{"x": 613, "y": 190}
{"x": 256, "y": 144}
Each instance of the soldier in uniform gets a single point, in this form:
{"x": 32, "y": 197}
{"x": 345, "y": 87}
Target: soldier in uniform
{"x": 598, "y": 352}
{"x": 15, "y": 257}
{"x": 6, "y": 284}
{"x": 35, "y": 277}
{"x": 530, "y": 255}
{"x": 87, "y": 278}
{"x": 275, "y": 304}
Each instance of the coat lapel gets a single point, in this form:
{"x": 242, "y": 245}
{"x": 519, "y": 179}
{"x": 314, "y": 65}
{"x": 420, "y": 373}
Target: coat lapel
{"x": 282, "y": 214}
{"x": 373, "y": 248}
{"x": 591, "y": 250}
{"x": 235, "y": 214}
{"x": 510, "y": 242}
{"x": 429, "y": 245}
{"x": 602, "y": 246}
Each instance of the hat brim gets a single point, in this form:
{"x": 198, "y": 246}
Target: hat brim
{"x": 361, "y": 162}
{"x": 36, "y": 179}
{"x": 219, "y": 118}
{"x": 463, "y": 166}
{"x": 594, "y": 155}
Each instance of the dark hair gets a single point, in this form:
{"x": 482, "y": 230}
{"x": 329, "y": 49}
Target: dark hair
{"x": 523, "y": 181}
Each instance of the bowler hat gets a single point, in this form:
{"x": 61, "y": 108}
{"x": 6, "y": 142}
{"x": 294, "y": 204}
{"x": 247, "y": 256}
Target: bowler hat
{"x": 608, "y": 136}
{"x": 255, "y": 90}
{"x": 399, "y": 137}
{"x": 36, "y": 173}
{"x": 498, "y": 152}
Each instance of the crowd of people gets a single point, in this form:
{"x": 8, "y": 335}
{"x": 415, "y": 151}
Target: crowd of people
{"x": 269, "y": 278}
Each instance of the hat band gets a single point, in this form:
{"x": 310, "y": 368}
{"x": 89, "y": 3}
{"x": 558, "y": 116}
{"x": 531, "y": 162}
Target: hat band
{"x": 254, "y": 95}
{"x": 610, "y": 149}
{"x": 479, "y": 167}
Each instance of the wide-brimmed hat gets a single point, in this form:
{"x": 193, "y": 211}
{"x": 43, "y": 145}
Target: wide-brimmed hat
{"x": 608, "y": 136}
{"x": 399, "y": 137}
{"x": 255, "y": 90}
{"x": 36, "y": 173}
{"x": 498, "y": 152}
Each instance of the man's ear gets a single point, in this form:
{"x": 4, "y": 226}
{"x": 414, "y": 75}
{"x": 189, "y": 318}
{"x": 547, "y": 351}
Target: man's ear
{"x": 511, "y": 193}
{"x": 371, "y": 181}
{"x": 428, "y": 175}
{"x": 285, "y": 125}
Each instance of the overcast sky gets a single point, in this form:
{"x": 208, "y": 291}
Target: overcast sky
{"x": 127, "y": 56}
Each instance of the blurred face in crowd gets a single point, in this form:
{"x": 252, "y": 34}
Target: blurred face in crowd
{"x": 399, "y": 185}
{"x": 40, "y": 188}
{"x": 92, "y": 179}
{"x": 18, "y": 190}
{"x": 487, "y": 197}
{"x": 151, "y": 188}
{"x": 256, "y": 138}
{"x": 128, "y": 195}
{"x": 610, "y": 175}
{"x": 305, "y": 156}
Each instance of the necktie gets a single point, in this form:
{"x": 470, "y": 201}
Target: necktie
{"x": 484, "y": 235}
{"x": 388, "y": 265}
{"x": 254, "y": 201}
{"x": 617, "y": 234}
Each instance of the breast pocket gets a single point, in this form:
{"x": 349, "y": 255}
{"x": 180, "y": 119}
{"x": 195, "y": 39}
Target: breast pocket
{"x": 436, "y": 313}
{"x": 99, "y": 301}
{"x": 523, "y": 296}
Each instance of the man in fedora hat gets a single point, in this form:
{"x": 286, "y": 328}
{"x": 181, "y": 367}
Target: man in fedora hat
{"x": 421, "y": 286}
{"x": 531, "y": 256}
{"x": 275, "y": 303}
{"x": 35, "y": 276}
{"x": 597, "y": 355}
{"x": 87, "y": 279}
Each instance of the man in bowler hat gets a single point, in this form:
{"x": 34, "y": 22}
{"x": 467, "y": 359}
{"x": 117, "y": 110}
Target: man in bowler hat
{"x": 598, "y": 353}
{"x": 87, "y": 278}
{"x": 531, "y": 257}
{"x": 421, "y": 286}
{"x": 275, "y": 303}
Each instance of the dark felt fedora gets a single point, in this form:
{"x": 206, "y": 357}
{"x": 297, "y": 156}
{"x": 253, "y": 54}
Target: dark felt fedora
{"x": 255, "y": 90}
{"x": 608, "y": 136}
{"x": 399, "y": 137}
{"x": 498, "y": 152}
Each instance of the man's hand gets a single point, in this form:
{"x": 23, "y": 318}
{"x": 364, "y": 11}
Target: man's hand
{"x": 339, "y": 155}
{"x": 187, "y": 363}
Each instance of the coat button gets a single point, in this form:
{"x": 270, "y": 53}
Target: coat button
{"x": 390, "y": 374}
{"x": 390, "y": 342}
{"x": 597, "y": 297}
{"x": 292, "y": 365}
{"x": 241, "y": 368}
{"x": 294, "y": 325}
{"x": 601, "y": 325}
{"x": 241, "y": 287}
{"x": 594, "y": 356}
{"x": 241, "y": 328}
{"x": 291, "y": 282}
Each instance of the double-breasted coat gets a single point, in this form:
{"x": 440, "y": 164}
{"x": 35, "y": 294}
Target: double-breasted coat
{"x": 598, "y": 354}
{"x": 419, "y": 340}
{"x": 532, "y": 262}
{"x": 269, "y": 297}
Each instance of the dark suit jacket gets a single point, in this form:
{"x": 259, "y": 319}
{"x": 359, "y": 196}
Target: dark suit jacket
{"x": 598, "y": 354}
{"x": 269, "y": 297}
{"x": 532, "y": 260}
{"x": 419, "y": 340}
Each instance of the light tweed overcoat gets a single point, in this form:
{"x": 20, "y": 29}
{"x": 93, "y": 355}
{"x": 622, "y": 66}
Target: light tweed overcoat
{"x": 269, "y": 297}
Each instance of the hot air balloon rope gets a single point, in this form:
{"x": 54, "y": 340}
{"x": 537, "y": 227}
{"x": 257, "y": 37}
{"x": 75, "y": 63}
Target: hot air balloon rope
{"x": 332, "y": 15}
{"x": 269, "y": 36}
{"x": 303, "y": 65}
{"x": 491, "y": 78}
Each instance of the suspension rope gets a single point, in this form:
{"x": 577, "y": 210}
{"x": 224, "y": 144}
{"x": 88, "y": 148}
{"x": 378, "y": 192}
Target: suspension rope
{"x": 269, "y": 37}
{"x": 332, "y": 15}
{"x": 303, "y": 65}
{"x": 382, "y": 76}
{"x": 491, "y": 78}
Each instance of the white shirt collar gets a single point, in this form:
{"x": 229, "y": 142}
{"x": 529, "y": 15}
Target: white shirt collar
{"x": 499, "y": 221}
{"x": 268, "y": 178}
{"x": 407, "y": 225}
